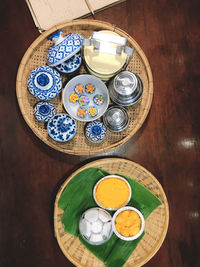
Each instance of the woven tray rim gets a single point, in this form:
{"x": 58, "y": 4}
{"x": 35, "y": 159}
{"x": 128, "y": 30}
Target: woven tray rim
{"x": 94, "y": 164}
{"x": 84, "y": 22}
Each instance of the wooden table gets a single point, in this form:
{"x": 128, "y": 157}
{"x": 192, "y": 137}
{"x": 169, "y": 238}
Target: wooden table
{"x": 167, "y": 144}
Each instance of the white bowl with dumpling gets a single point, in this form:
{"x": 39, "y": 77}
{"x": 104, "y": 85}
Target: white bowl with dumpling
{"x": 95, "y": 226}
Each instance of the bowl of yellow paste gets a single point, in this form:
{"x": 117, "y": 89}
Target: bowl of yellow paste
{"x": 128, "y": 223}
{"x": 112, "y": 192}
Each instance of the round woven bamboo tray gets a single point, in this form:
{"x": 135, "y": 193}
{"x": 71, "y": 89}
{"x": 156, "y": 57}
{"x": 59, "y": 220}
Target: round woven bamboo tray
{"x": 36, "y": 56}
{"x": 155, "y": 228}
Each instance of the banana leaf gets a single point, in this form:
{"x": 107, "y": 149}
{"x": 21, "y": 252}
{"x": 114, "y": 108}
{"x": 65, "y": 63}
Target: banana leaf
{"x": 78, "y": 197}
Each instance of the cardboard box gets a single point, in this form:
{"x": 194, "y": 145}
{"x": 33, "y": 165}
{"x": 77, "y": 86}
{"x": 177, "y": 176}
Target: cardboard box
{"x": 47, "y": 13}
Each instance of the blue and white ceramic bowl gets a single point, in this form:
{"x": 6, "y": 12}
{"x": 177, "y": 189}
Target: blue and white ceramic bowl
{"x": 95, "y": 131}
{"x": 44, "y": 111}
{"x": 44, "y": 83}
{"x": 62, "y": 127}
{"x": 70, "y": 65}
{"x": 64, "y": 48}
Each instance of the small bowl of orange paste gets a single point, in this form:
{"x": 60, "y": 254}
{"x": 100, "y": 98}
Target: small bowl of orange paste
{"x": 112, "y": 192}
{"x": 128, "y": 223}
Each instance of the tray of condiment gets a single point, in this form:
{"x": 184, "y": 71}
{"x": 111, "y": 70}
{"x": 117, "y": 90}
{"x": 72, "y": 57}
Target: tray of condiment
{"x": 63, "y": 72}
{"x": 122, "y": 211}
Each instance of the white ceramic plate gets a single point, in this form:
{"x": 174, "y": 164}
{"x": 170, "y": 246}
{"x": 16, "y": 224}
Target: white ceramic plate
{"x": 100, "y": 89}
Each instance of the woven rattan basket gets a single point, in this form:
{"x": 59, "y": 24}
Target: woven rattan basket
{"x": 155, "y": 227}
{"x": 36, "y": 56}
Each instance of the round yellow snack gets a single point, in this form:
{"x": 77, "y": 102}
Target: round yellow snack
{"x": 112, "y": 193}
{"x": 92, "y": 111}
{"x": 73, "y": 98}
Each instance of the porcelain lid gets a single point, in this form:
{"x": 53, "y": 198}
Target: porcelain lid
{"x": 95, "y": 131}
{"x": 44, "y": 83}
{"x": 64, "y": 47}
{"x": 70, "y": 65}
{"x": 43, "y": 111}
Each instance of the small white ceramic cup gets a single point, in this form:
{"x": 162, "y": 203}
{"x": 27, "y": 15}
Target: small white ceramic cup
{"x": 107, "y": 177}
{"x": 131, "y": 237}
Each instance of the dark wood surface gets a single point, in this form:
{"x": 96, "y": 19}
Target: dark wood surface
{"x": 167, "y": 144}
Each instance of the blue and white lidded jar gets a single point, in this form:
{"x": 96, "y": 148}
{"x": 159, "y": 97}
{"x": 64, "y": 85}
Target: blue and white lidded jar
{"x": 44, "y": 83}
{"x": 65, "y": 55}
{"x": 95, "y": 131}
{"x": 44, "y": 111}
{"x": 71, "y": 65}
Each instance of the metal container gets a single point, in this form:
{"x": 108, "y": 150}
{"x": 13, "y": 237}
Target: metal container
{"x": 126, "y": 88}
{"x": 105, "y": 54}
{"x": 116, "y": 118}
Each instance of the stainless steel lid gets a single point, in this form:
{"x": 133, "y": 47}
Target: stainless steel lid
{"x": 116, "y": 118}
{"x": 127, "y": 89}
{"x": 125, "y": 83}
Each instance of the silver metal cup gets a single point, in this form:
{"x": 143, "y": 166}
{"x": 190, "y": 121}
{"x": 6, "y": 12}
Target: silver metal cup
{"x": 116, "y": 118}
{"x": 126, "y": 88}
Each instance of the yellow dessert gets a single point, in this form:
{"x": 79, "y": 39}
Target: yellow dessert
{"x": 92, "y": 111}
{"x": 112, "y": 193}
{"x": 128, "y": 223}
{"x": 73, "y": 98}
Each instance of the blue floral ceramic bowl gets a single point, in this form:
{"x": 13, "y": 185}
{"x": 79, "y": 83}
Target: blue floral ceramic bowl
{"x": 44, "y": 83}
{"x": 71, "y": 65}
{"x": 62, "y": 127}
{"x": 44, "y": 111}
{"x": 95, "y": 131}
{"x": 64, "y": 47}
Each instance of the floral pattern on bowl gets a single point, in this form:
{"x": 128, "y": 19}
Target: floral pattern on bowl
{"x": 62, "y": 127}
{"x": 64, "y": 47}
{"x": 70, "y": 65}
{"x": 95, "y": 131}
{"x": 44, "y": 111}
{"x": 44, "y": 83}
